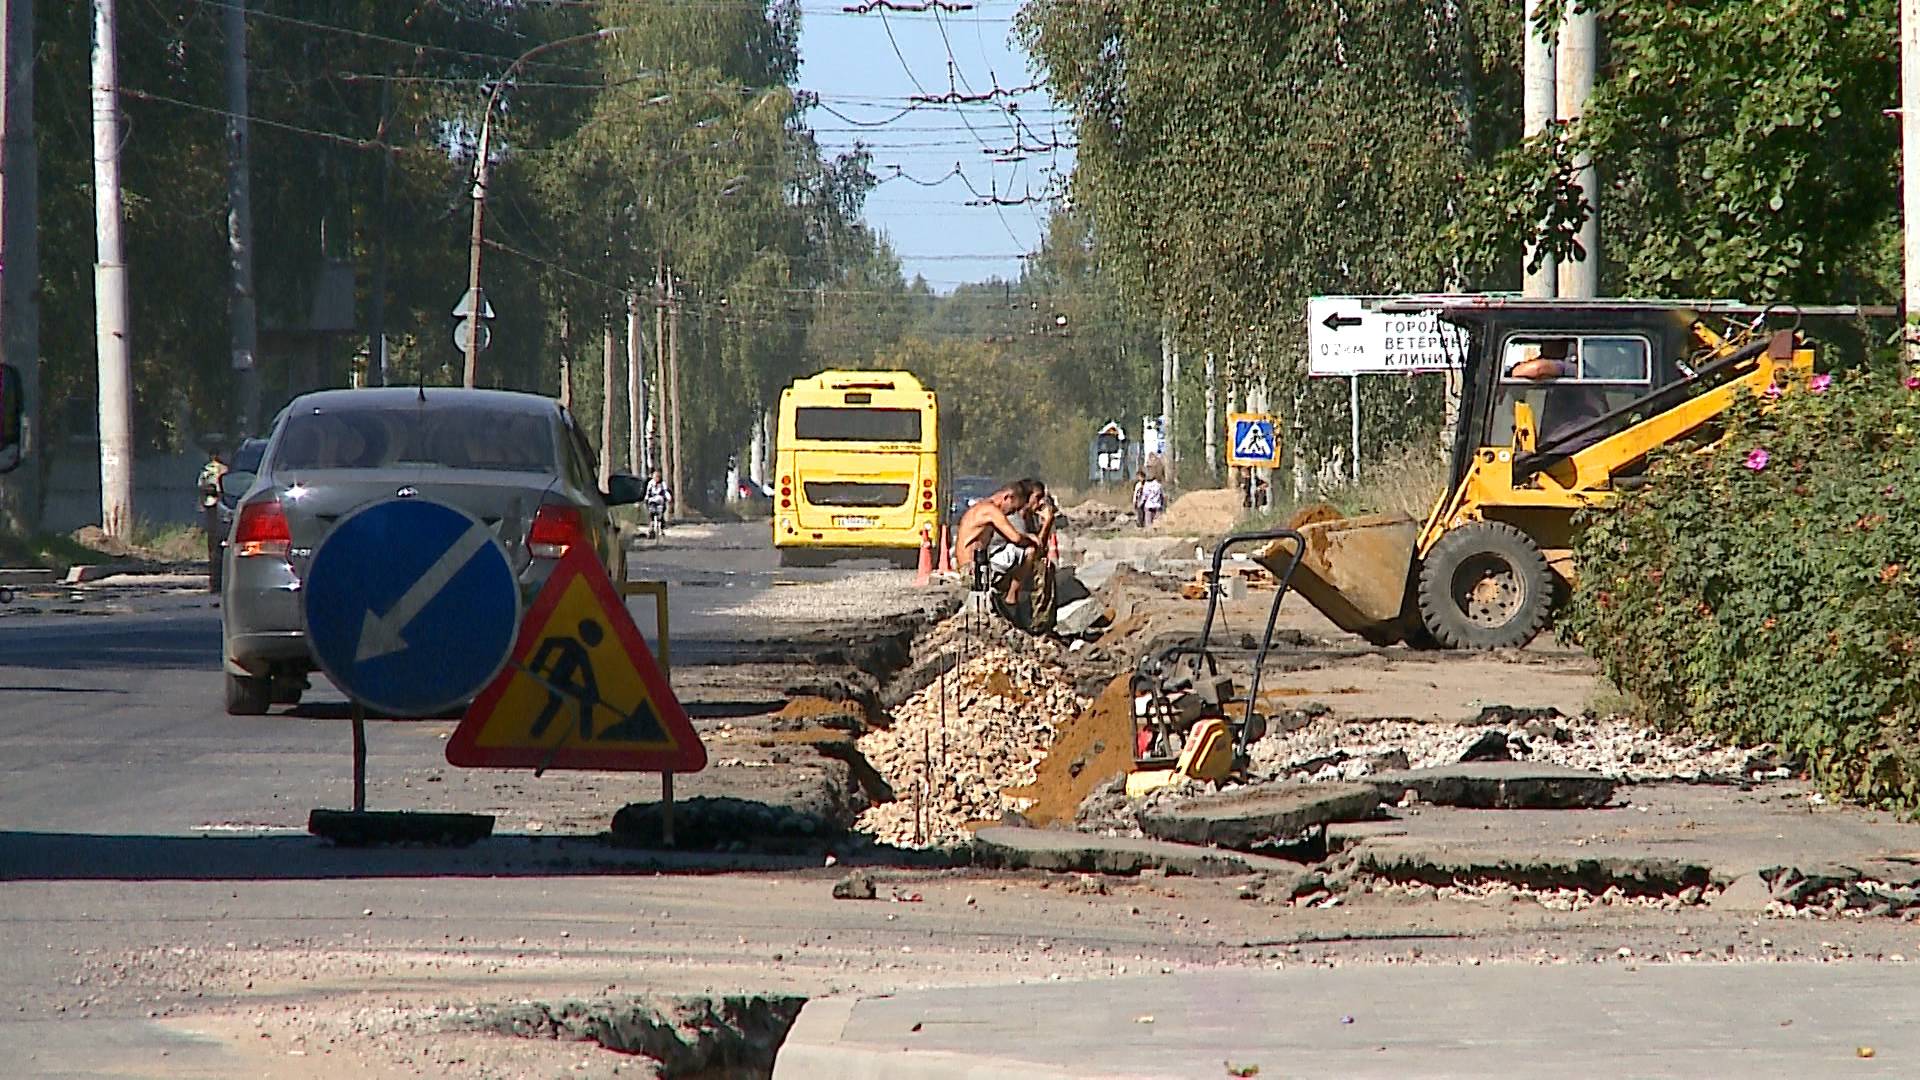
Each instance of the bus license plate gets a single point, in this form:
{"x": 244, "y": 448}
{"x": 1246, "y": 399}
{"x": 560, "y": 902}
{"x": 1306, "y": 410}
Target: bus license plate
{"x": 854, "y": 522}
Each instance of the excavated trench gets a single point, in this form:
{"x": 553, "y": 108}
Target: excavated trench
{"x": 684, "y": 1037}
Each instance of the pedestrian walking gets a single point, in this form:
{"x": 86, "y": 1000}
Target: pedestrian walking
{"x": 1139, "y": 508}
{"x": 1153, "y": 500}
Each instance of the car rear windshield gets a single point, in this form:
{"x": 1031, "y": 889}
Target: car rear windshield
{"x": 465, "y": 438}
{"x": 247, "y": 458}
{"x": 827, "y": 424}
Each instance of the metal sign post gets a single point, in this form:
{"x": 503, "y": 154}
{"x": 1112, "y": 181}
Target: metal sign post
{"x": 410, "y": 608}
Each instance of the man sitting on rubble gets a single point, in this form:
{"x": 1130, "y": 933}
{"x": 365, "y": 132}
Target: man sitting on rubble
{"x": 1012, "y": 555}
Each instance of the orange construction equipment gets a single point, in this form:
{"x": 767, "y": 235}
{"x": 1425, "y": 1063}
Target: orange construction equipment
{"x": 925, "y": 575}
{"x": 946, "y": 550}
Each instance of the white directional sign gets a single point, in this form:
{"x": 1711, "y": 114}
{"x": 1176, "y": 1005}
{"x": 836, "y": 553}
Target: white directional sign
{"x": 465, "y": 328}
{"x": 463, "y": 308}
{"x": 1350, "y": 335}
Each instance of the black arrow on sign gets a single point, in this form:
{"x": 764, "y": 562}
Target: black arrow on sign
{"x": 1338, "y": 321}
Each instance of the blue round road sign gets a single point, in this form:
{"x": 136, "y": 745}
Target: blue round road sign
{"x": 411, "y": 606}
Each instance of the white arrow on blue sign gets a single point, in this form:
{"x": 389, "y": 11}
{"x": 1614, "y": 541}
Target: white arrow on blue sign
{"x": 411, "y": 606}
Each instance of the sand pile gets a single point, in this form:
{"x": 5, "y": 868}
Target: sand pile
{"x": 958, "y": 745}
{"x": 1202, "y": 513}
{"x": 1094, "y": 514}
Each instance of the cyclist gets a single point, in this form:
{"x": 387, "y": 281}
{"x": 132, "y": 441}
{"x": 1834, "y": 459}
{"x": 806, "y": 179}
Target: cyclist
{"x": 659, "y": 500}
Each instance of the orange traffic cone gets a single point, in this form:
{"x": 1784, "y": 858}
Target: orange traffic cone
{"x": 946, "y": 550}
{"x": 925, "y": 574}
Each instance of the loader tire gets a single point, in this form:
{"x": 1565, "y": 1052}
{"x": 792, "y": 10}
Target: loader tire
{"x": 1485, "y": 585}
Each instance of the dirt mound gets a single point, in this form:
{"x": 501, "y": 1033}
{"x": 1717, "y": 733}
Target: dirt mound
{"x": 1202, "y": 513}
{"x": 173, "y": 545}
{"x": 1087, "y": 751}
{"x": 1094, "y": 514}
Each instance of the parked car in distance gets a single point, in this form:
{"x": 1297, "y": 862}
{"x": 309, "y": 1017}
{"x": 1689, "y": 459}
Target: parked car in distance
{"x": 233, "y": 484}
{"x": 514, "y": 461}
{"x": 968, "y": 490}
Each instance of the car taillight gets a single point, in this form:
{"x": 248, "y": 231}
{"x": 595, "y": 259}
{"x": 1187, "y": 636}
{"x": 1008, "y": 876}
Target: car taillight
{"x": 555, "y": 529}
{"x": 262, "y": 530}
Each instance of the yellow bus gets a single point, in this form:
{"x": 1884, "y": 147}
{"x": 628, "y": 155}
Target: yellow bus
{"x": 856, "y": 466}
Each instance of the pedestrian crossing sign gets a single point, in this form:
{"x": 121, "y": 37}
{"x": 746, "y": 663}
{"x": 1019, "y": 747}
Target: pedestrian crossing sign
{"x": 1252, "y": 439}
{"x": 580, "y": 691}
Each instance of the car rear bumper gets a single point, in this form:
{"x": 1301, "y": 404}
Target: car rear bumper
{"x": 264, "y": 625}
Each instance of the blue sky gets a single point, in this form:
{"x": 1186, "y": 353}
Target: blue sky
{"x": 868, "y": 67}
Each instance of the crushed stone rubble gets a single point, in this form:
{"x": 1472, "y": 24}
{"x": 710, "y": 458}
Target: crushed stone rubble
{"x": 958, "y": 744}
{"x": 1553, "y": 899}
{"x": 1327, "y": 748}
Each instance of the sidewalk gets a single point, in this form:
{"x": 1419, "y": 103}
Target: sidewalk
{"x": 1625, "y": 1019}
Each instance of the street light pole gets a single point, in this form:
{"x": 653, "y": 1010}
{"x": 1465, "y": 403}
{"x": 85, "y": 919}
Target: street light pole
{"x": 482, "y": 170}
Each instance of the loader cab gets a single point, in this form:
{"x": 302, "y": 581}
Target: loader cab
{"x": 1571, "y": 363}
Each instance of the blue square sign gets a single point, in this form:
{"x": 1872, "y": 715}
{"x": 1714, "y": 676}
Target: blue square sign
{"x": 1253, "y": 439}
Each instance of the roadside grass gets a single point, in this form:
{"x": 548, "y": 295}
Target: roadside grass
{"x": 88, "y": 546}
{"x": 47, "y": 552}
{"x": 1408, "y": 482}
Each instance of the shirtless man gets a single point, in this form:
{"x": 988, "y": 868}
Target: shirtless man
{"x": 989, "y": 518}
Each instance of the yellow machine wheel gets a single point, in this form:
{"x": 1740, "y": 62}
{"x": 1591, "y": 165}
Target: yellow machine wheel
{"x": 1485, "y": 585}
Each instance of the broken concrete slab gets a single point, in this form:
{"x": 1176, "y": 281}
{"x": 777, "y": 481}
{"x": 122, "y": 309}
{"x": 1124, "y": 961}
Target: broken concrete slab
{"x": 1399, "y": 859}
{"x": 1065, "y": 851}
{"x": 1079, "y": 617}
{"x": 1260, "y": 814}
{"x": 856, "y": 886}
{"x": 1748, "y": 893}
{"x": 1500, "y": 785}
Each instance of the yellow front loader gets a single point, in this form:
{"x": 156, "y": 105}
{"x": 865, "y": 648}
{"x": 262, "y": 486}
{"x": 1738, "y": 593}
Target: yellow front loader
{"x": 1561, "y": 402}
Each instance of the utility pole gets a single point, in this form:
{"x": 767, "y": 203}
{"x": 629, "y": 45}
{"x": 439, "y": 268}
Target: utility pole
{"x": 663, "y": 390}
{"x": 242, "y": 326}
{"x": 1212, "y": 446}
{"x": 607, "y": 353}
{"x": 20, "y": 258}
{"x": 1578, "y": 52}
{"x": 566, "y": 360}
{"x": 110, "y": 286}
{"x": 1538, "y": 80}
{"x": 1166, "y": 401}
{"x": 377, "y": 291}
{"x": 1910, "y": 172}
{"x": 673, "y": 387}
{"x": 636, "y": 390}
{"x": 1173, "y": 416}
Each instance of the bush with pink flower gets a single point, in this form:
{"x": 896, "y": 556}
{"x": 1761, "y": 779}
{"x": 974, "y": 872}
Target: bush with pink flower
{"x": 1768, "y": 589}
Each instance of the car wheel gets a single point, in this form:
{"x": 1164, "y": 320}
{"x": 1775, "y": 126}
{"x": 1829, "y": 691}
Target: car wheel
{"x": 248, "y": 696}
{"x": 288, "y": 691}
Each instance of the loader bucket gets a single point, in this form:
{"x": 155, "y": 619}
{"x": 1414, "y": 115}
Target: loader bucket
{"x": 1355, "y": 570}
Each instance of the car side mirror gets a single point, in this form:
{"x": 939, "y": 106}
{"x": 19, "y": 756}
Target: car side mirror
{"x": 13, "y": 406}
{"x": 623, "y": 490}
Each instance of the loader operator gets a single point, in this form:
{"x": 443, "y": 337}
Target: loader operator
{"x": 1566, "y": 405}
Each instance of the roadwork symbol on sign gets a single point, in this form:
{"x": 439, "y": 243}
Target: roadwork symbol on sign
{"x": 410, "y": 606}
{"x": 581, "y": 690}
{"x": 1251, "y": 440}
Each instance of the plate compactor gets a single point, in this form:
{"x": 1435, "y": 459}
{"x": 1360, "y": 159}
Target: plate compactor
{"x": 1189, "y": 720}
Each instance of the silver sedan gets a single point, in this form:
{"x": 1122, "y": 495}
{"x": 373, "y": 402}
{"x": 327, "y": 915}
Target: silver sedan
{"x": 515, "y": 461}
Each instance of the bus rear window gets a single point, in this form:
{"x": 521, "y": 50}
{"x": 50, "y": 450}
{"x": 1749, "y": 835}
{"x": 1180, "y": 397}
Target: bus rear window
{"x": 823, "y": 424}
